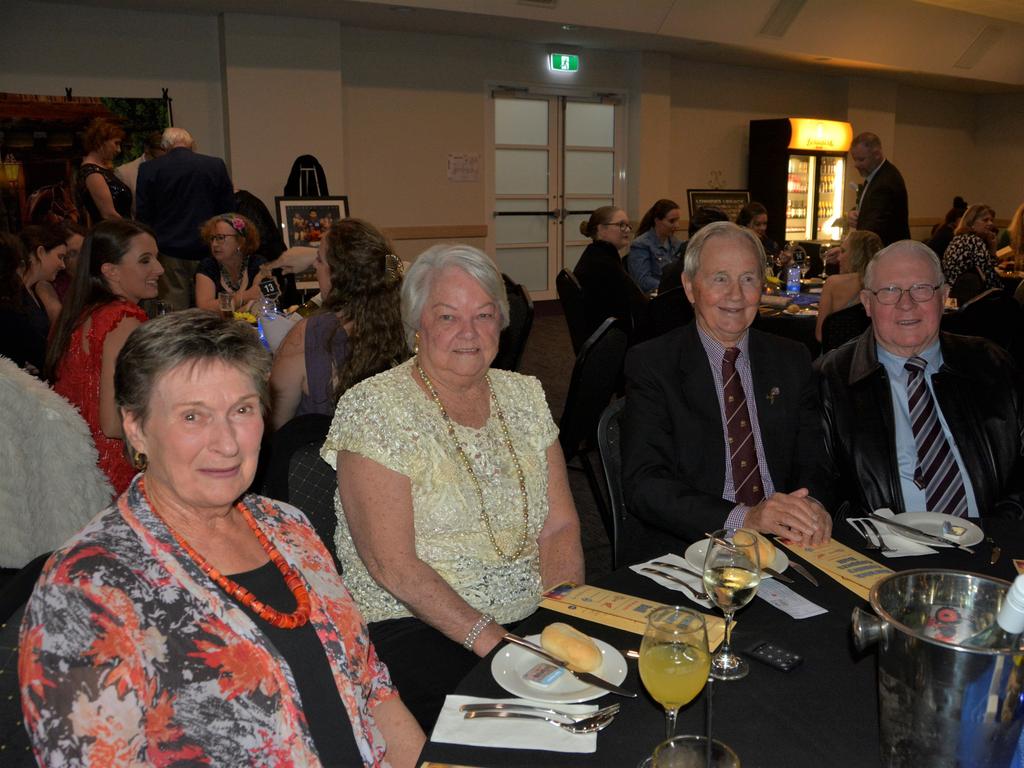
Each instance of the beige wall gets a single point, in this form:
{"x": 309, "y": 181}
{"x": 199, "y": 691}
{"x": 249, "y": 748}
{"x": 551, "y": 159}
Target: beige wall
{"x": 382, "y": 110}
{"x": 283, "y": 98}
{"x": 427, "y": 97}
{"x": 101, "y": 52}
{"x": 712, "y": 106}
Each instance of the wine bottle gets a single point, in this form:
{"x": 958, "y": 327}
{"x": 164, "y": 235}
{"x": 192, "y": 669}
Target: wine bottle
{"x": 310, "y": 307}
{"x": 1005, "y": 632}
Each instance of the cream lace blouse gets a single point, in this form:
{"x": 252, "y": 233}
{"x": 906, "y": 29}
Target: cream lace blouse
{"x": 390, "y": 420}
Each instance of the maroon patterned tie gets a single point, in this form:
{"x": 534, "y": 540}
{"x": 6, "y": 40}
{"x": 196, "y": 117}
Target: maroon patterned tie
{"x": 746, "y": 474}
{"x": 937, "y": 473}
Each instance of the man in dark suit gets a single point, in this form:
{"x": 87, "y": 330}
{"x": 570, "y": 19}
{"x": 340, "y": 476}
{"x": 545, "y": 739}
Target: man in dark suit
{"x": 721, "y": 423}
{"x": 882, "y": 198}
{"x": 916, "y": 419}
{"x": 175, "y": 195}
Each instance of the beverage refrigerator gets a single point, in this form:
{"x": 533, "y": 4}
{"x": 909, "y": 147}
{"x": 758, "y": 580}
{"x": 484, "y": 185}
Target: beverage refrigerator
{"x": 797, "y": 170}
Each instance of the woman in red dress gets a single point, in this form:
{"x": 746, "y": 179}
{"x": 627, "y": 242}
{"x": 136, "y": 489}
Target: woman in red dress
{"x": 117, "y": 268}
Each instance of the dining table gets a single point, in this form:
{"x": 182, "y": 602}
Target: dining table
{"x": 822, "y": 713}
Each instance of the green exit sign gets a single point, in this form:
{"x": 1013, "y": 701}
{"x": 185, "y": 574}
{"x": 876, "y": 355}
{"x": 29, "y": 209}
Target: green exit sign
{"x": 564, "y": 62}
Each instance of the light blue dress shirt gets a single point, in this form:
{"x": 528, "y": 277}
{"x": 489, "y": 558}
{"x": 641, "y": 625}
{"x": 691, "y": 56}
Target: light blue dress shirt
{"x": 914, "y": 499}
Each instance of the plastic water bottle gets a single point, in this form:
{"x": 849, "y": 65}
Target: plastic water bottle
{"x": 271, "y": 322}
{"x": 1005, "y": 633}
{"x": 793, "y": 278}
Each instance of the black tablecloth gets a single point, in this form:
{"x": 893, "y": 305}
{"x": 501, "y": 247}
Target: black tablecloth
{"x": 822, "y": 714}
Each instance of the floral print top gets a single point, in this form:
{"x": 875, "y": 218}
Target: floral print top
{"x": 130, "y": 655}
{"x": 969, "y": 252}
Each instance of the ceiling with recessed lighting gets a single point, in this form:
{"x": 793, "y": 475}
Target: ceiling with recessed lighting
{"x": 969, "y": 45}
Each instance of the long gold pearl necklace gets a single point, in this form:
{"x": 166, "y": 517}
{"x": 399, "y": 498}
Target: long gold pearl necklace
{"x": 469, "y": 467}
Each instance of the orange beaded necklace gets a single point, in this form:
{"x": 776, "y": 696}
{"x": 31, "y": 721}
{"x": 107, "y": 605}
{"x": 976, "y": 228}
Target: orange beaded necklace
{"x": 296, "y": 618}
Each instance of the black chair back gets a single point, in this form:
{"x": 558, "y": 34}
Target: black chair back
{"x": 594, "y": 380}
{"x": 14, "y": 742}
{"x": 299, "y": 476}
{"x": 843, "y": 325}
{"x": 966, "y": 287}
{"x": 570, "y": 295}
{"x": 664, "y": 313}
{"x": 610, "y": 450}
{"x": 994, "y": 315}
{"x": 520, "y": 322}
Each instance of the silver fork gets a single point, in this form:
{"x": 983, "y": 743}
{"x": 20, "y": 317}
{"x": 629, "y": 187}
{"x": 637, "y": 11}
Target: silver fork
{"x": 696, "y": 593}
{"x": 862, "y": 530}
{"x": 881, "y": 542}
{"x": 586, "y": 725}
{"x": 568, "y": 717}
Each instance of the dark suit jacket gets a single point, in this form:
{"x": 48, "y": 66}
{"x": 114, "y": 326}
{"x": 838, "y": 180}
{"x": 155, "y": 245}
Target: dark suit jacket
{"x": 673, "y": 449}
{"x": 176, "y": 193}
{"x": 979, "y": 394}
{"x": 883, "y": 208}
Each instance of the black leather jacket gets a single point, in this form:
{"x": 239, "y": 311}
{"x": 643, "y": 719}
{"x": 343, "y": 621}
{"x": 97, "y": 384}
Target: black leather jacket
{"x": 979, "y": 393}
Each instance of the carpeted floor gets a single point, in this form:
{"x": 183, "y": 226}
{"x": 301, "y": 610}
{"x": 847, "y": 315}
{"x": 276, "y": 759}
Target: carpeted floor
{"x": 549, "y": 357}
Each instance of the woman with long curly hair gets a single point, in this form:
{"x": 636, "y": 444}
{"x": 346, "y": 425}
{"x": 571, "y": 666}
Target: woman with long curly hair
{"x": 359, "y": 333}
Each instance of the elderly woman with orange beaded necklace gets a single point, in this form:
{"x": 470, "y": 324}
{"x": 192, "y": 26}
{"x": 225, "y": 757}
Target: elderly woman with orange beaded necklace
{"x": 454, "y": 506}
{"x": 190, "y": 620}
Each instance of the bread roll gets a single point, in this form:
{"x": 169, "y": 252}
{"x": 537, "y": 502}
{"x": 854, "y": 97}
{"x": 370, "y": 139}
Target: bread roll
{"x": 571, "y": 646}
{"x": 765, "y": 549}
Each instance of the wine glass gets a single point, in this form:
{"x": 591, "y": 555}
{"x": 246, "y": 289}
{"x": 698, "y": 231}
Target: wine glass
{"x": 694, "y": 752}
{"x": 674, "y": 659}
{"x": 732, "y": 571}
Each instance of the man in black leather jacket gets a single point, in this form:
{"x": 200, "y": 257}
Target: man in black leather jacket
{"x": 974, "y": 383}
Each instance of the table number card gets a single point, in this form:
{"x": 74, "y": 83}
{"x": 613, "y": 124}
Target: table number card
{"x": 847, "y": 566}
{"x": 614, "y": 609}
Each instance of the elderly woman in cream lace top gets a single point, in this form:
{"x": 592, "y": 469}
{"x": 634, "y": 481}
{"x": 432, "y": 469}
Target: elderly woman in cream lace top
{"x": 454, "y": 510}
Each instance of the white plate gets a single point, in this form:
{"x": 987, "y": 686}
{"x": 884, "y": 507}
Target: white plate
{"x": 931, "y": 522}
{"x": 511, "y": 663}
{"x": 696, "y": 551}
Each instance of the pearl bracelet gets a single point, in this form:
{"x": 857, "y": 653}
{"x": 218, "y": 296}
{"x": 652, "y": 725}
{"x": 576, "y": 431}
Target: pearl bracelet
{"x": 474, "y": 633}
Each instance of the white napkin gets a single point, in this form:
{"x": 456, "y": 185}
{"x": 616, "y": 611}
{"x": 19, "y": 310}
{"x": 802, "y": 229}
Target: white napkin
{"x": 694, "y": 581}
{"x": 902, "y": 546}
{"x": 513, "y": 733}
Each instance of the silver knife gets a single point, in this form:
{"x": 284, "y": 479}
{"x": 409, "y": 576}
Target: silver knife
{"x": 803, "y": 572}
{"x": 920, "y": 533}
{"x": 583, "y": 677}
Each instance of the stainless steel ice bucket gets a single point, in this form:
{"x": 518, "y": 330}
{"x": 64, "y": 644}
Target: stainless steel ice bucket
{"x": 941, "y": 704}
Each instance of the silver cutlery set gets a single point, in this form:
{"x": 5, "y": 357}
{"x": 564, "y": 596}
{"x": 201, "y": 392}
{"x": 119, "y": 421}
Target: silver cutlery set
{"x": 589, "y": 722}
{"x": 874, "y": 540}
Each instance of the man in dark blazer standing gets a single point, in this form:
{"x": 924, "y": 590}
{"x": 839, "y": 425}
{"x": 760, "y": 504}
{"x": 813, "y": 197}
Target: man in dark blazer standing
{"x": 721, "y": 422}
{"x": 175, "y": 195}
{"x": 882, "y": 199}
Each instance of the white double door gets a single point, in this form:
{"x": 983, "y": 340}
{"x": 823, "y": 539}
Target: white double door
{"x": 556, "y": 159}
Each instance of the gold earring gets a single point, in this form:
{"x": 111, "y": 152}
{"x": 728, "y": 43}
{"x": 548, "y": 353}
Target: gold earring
{"x": 416, "y": 343}
{"x": 139, "y": 460}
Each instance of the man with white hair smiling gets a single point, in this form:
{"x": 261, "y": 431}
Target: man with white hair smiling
{"x": 175, "y": 194}
{"x": 916, "y": 419}
{"x": 721, "y": 425}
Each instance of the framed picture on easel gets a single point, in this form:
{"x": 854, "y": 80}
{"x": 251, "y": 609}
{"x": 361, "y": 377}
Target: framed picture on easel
{"x": 304, "y": 220}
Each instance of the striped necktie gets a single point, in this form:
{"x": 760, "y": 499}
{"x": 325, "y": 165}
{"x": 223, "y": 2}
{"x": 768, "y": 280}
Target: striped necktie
{"x": 746, "y": 474}
{"x": 937, "y": 473}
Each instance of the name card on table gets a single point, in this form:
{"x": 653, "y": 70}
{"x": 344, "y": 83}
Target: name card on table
{"x": 614, "y": 609}
{"x": 847, "y": 566}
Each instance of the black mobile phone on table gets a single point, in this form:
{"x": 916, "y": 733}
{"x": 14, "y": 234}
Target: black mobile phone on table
{"x": 775, "y": 656}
